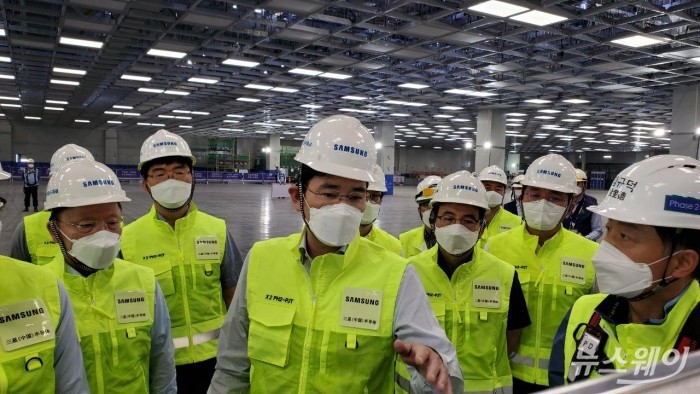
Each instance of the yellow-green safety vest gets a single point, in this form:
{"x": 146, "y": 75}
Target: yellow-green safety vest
{"x": 187, "y": 263}
{"x": 382, "y": 238}
{"x": 472, "y": 308}
{"x": 42, "y": 249}
{"x": 413, "y": 242}
{"x": 114, "y": 311}
{"x": 630, "y": 345}
{"x": 552, "y": 277}
{"x": 328, "y": 331}
{"x": 501, "y": 222}
{"x": 30, "y": 308}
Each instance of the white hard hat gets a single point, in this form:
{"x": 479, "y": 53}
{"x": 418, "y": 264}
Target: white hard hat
{"x": 379, "y": 184}
{"x": 493, "y": 173}
{"x": 83, "y": 182}
{"x": 660, "y": 191}
{"x": 581, "y": 175}
{"x": 517, "y": 181}
{"x": 461, "y": 187}
{"x": 68, "y": 153}
{"x": 164, "y": 144}
{"x": 30, "y": 161}
{"x": 339, "y": 145}
{"x": 426, "y": 188}
{"x": 552, "y": 172}
{"x": 4, "y": 175}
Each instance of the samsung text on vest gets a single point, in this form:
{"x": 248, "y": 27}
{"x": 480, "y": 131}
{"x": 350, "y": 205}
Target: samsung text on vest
{"x": 21, "y": 315}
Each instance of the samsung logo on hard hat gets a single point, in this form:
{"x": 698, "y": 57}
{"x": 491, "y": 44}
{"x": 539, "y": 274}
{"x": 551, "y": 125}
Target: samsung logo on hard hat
{"x": 350, "y": 149}
{"x": 51, "y": 192}
{"x": 494, "y": 173}
{"x": 307, "y": 143}
{"x": 465, "y": 187}
{"x": 69, "y": 158}
{"x": 98, "y": 182}
{"x": 164, "y": 143}
{"x": 548, "y": 172}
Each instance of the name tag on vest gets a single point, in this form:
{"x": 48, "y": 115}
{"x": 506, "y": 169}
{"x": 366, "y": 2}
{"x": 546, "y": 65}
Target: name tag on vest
{"x": 573, "y": 270}
{"x": 486, "y": 293}
{"x": 207, "y": 247}
{"x": 132, "y": 306}
{"x": 361, "y": 308}
{"x": 25, "y": 323}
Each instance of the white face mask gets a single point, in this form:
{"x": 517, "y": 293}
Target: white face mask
{"x": 171, "y": 194}
{"x": 425, "y": 216}
{"x": 97, "y": 251}
{"x": 335, "y": 225}
{"x": 455, "y": 238}
{"x": 619, "y": 275}
{"x": 542, "y": 215}
{"x": 371, "y": 212}
{"x": 517, "y": 192}
{"x": 494, "y": 199}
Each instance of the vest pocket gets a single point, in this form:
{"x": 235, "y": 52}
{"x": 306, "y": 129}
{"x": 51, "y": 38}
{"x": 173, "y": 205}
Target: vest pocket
{"x": 269, "y": 333}
{"x": 163, "y": 271}
{"x": 45, "y": 253}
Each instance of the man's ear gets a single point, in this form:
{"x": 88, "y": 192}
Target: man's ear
{"x": 144, "y": 186}
{"x": 686, "y": 263}
{"x": 294, "y": 195}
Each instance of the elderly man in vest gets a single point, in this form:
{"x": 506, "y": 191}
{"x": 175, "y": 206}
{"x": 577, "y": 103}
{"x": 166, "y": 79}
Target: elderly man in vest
{"x": 120, "y": 312}
{"x": 307, "y": 317}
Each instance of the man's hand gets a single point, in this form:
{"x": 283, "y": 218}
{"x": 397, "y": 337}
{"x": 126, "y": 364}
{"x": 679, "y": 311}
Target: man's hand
{"x": 427, "y": 362}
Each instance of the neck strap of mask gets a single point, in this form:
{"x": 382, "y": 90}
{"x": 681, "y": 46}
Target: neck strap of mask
{"x": 664, "y": 281}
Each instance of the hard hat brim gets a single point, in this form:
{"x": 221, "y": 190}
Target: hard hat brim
{"x": 552, "y": 186}
{"x": 637, "y": 217}
{"x": 373, "y": 188}
{"x": 341, "y": 171}
{"x": 488, "y": 179}
{"x": 82, "y": 202}
{"x": 4, "y": 175}
{"x": 458, "y": 201}
{"x": 194, "y": 161}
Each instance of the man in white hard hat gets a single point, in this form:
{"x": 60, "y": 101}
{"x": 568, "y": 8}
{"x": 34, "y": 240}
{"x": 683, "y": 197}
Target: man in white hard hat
{"x": 40, "y": 352}
{"x": 121, "y": 315}
{"x": 31, "y": 186}
{"x": 581, "y": 220}
{"x": 307, "y": 317}
{"x": 497, "y": 220}
{"x": 375, "y": 195}
{"x": 647, "y": 272}
{"x": 192, "y": 253}
{"x": 516, "y": 191}
{"x": 31, "y": 241}
{"x": 421, "y": 238}
{"x": 476, "y": 297}
{"x": 553, "y": 264}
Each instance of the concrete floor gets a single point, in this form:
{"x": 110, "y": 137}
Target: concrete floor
{"x": 250, "y": 212}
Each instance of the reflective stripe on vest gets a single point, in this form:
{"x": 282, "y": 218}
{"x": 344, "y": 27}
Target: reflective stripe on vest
{"x": 196, "y": 305}
{"x": 332, "y": 327}
{"x": 29, "y": 368}
{"x": 548, "y": 291}
{"x": 196, "y": 339}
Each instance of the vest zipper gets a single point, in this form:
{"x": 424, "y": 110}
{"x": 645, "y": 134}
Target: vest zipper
{"x": 89, "y": 285}
{"x": 307, "y": 337}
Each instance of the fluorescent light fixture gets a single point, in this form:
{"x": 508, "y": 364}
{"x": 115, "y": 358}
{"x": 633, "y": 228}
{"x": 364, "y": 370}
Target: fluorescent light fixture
{"x": 291, "y": 121}
{"x": 474, "y": 93}
{"x": 11, "y": 105}
{"x": 199, "y": 113}
{"x": 142, "y": 124}
{"x": 54, "y": 108}
{"x": 119, "y": 106}
{"x": 202, "y": 80}
{"x": 80, "y": 42}
{"x": 63, "y": 82}
{"x": 413, "y": 86}
{"x": 545, "y": 117}
{"x": 588, "y": 127}
{"x": 575, "y": 101}
{"x": 131, "y": 114}
{"x": 169, "y": 54}
{"x": 267, "y": 124}
{"x": 2, "y": 33}
{"x": 9, "y": 98}
{"x": 150, "y": 90}
{"x": 158, "y": 124}
{"x": 659, "y": 132}
{"x": 6, "y": 76}
{"x": 185, "y": 126}
{"x": 240, "y": 63}
{"x": 258, "y": 87}
{"x": 131, "y": 77}
{"x": 398, "y": 114}
{"x": 607, "y": 156}
{"x": 305, "y": 71}
{"x": 184, "y": 117}
{"x": 235, "y": 116}
{"x": 615, "y": 135}
{"x": 460, "y": 120}
{"x": 612, "y": 125}
{"x": 5, "y": 59}
{"x": 82, "y": 121}
{"x": 571, "y": 120}
{"x": 538, "y": 18}
{"x": 498, "y": 8}
{"x": 516, "y": 114}
{"x": 579, "y": 114}
{"x": 179, "y": 111}
{"x": 166, "y": 116}
{"x": 224, "y": 129}
{"x": 113, "y": 113}
{"x": 231, "y": 121}
{"x": 177, "y": 92}
{"x": 537, "y": 101}
{"x": 248, "y": 99}
{"x": 358, "y": 98}
{"x": 451, "y": 108}
{"x": 32, "y": 117}
{"x": 359, "y": 111}
{"x": 312, "y": 106}
{"x": 73, "y": 71}
{"x": 647, "y": 122}
{"x": 515, "y": 120}
{"x": 638, "y": 41}
{"x": 549, "y": 111}
{"x": 114, "y": 121}
{"x": 442, "y": 116}
{"x": 336, "y": 76}
{"x": 285, "y": 90}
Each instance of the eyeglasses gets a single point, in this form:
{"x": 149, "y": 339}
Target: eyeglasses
{"x": 161, "y": 175}
{"x": 86, "y": 227}
{"x": 354, "y": 198}
{"x": 553, "y": 198}
{"x": 467, "y": 221}
{"x": 374, "y": 197}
